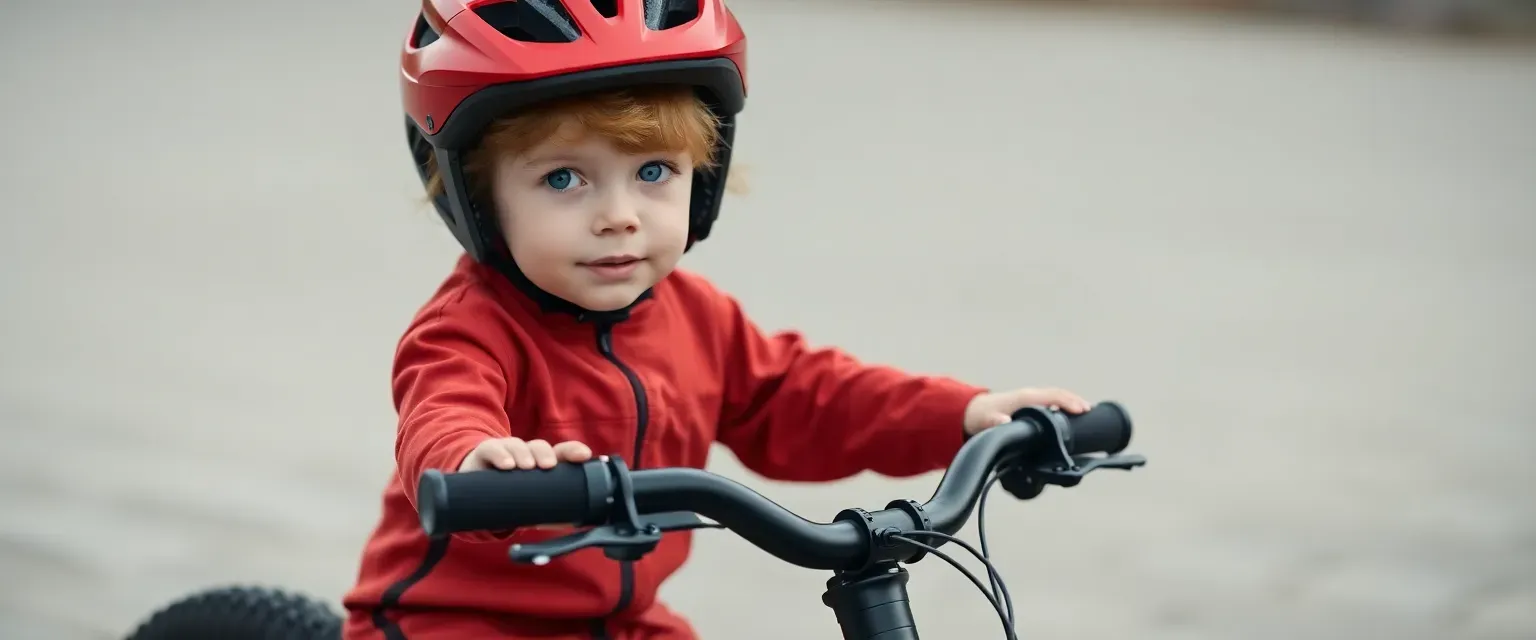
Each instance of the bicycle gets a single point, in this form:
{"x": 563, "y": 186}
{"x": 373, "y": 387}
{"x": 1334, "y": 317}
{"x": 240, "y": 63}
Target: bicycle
{"x": 626, "y": 513}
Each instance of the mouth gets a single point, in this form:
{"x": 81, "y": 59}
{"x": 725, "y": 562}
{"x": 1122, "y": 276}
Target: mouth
{"x": 612, "y": 261}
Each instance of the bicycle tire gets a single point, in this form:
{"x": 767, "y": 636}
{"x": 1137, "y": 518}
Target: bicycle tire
{"x": 242, "y": 613}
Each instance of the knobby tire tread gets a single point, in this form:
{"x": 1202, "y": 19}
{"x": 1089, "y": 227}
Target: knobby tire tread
{"x": 242, "y": 613}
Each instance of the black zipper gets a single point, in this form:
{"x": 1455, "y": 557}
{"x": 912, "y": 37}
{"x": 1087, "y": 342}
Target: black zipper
{"x": 642, "y": 408}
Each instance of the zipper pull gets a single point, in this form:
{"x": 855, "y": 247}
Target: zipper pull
{"x": 605, "y": 339}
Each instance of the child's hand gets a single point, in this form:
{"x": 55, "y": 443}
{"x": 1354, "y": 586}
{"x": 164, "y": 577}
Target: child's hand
{"x": 513, "y": 453}
{"x": 992, "y": 409}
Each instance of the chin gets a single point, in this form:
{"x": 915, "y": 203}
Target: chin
{"x": 611, "y": 302}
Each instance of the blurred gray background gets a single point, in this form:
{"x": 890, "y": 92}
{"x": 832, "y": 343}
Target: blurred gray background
{"x": 1299, "y": 251}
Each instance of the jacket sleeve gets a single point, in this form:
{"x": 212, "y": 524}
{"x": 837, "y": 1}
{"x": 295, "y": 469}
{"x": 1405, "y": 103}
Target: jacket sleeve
{"x": 449, "y": 392}
{"x": 797, "y": 413}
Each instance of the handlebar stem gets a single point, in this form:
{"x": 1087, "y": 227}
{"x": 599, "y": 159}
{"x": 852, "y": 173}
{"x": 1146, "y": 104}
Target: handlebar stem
{"x": 872, "y": 603}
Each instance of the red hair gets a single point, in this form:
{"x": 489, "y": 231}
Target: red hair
{"x": 636, "y": 120}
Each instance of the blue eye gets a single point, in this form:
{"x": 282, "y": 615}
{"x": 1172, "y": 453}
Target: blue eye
{"x": 560, "y": 179}
{"x": 654, "y": 172}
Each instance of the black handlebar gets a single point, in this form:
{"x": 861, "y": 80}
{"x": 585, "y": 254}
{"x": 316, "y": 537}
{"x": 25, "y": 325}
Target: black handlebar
{"x": 1047, "y": 446}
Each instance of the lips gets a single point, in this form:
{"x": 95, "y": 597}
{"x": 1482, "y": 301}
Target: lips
{"x": 612, "y": 261}
{"x": 613, "y": 269}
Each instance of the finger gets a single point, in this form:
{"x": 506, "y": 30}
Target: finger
{"x": 999, "y": 419}
{"x": 520, "y": 452}
{"x": 472, "y": 462}
{"x": 495, "y": 455}
{"x": 1083, "y": 405}
{"x": 572, "y": 451}
{"x": 1031, "y": 397}
{"x": 1054, "y": 398}
{"x": 1071, "y": 402}
{"x": 543, "y": 454}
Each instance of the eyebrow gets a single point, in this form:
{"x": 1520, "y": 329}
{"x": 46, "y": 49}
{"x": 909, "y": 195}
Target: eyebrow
{"x": 540, "y": 161}
{"x": 563, "y": 158}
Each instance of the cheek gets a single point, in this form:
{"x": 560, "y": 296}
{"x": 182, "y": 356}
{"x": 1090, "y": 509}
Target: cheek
{"x": 531, "y": 229}
{"x": 522, "y": 239}
{"x": 674, "y": 209}
{"x": 532, "y": 237}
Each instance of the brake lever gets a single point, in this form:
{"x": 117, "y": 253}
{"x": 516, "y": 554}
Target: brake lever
{"x": 1026, "y": 479}
{"x": 1083, "y": 465}
{"x": 540, "y": 553}
{"x": 617, "y": 541}
{"x": 1026, "y": 482}
{"x": 624, "y": 537}
{"x": 614, "y": 543}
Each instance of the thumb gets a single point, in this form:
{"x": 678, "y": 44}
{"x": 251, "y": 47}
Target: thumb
{"x": 987, "y": 421}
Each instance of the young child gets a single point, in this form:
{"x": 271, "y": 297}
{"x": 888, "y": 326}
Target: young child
{"x": 577, "y": 150}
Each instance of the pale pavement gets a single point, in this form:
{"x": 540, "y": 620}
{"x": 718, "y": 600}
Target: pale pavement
{"x": 1302, "y": 257}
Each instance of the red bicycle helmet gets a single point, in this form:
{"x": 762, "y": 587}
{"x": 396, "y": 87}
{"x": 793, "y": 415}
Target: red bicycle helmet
{"x": 468, "y": 62}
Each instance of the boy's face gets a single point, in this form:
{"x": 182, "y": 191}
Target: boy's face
{"x": 590, "y": 223}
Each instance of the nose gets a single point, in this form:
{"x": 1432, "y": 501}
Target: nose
{"x": 618, "y": 213}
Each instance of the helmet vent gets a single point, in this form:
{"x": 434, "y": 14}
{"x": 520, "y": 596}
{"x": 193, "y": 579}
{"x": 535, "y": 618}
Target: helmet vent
{"x": 531, "y": 20}
{"x": 606, "y": 8}
{"x": 661, "y": 15}
{"x": 423, "y": 34}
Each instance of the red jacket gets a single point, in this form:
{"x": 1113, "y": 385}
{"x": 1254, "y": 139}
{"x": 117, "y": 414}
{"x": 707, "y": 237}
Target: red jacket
{"x": 481, "y": 360}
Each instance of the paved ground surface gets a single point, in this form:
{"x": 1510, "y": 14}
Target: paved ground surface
{"x": 1302, "y": 257}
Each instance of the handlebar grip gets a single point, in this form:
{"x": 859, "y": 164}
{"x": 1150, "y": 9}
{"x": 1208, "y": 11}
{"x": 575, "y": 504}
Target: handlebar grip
{"x": 1104, "y": 428}
{"x": 501, "y": 500}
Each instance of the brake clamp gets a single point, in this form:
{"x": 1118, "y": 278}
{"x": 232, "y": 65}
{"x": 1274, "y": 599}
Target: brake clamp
{"x": 1025, "y": 478}
{"x": 624, "y": 537}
